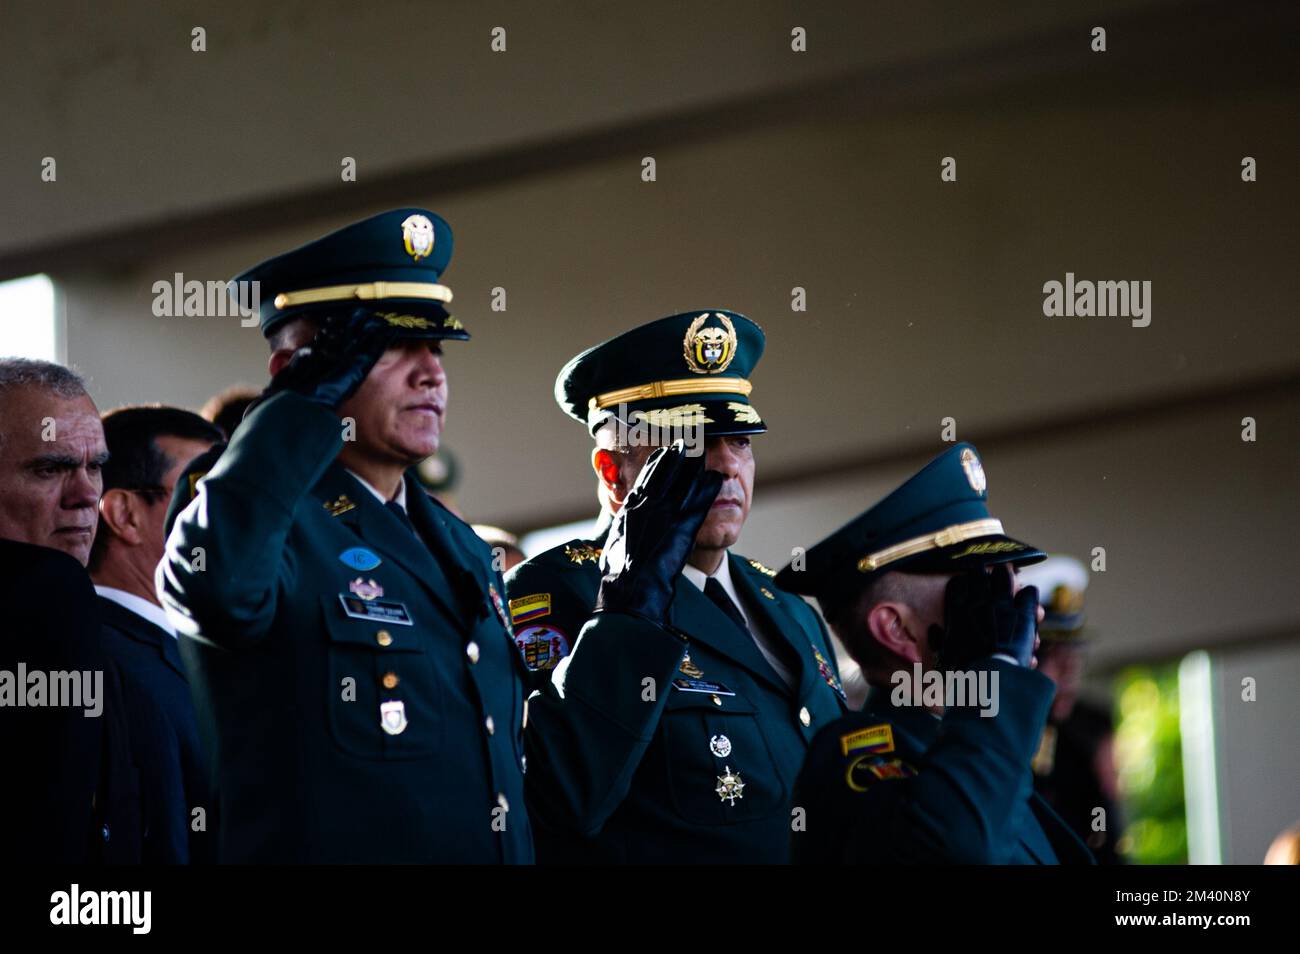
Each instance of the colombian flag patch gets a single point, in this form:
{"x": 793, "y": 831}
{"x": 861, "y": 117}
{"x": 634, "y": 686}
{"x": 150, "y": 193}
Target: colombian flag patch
{"x": 530, "y": 607}
{"x": 877, "y": 738}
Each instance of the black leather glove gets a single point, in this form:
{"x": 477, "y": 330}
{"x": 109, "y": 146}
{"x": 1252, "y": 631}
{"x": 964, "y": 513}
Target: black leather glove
{"x": 654, "y": 533}
{"x": 982, "y": 618}
{"x": 329, "y": 370}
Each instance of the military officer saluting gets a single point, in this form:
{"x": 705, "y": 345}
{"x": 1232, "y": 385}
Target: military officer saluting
{"x": 679, "y": 743}
{"x": 936, "y": 767}
{"x": 345, "y": 634}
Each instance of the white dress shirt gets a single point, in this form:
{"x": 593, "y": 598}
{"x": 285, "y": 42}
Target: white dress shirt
{"x": 400, "y": 499}
{"x": 140, "y": 607}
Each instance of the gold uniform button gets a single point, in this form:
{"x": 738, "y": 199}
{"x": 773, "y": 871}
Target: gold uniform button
{"x": 717, "y": 700}
{"x": 472, "y": 652}
{"x": 805, "y": 716}
{"x": 490, "y": 724}
{"x": 384, "y": 638}
{"x": 390, "y": 680}
{"x": 501, "y": 800}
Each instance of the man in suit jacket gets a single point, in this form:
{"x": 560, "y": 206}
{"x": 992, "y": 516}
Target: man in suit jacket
{"x": 148, "y": 448}
{"x": 72, "y": 792}
{"x": 936, "y": 767}
{"x": 679, "y": 745}
{"x": 346, "y": 635}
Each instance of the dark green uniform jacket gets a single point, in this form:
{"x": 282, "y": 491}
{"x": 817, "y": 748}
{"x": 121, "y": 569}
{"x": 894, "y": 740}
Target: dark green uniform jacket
{"x": 355, "y": 684}
{"x": 637, "y": 753}
{"x": 895, "y": 784}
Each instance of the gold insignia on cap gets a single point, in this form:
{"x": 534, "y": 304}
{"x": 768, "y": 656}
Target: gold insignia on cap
{"x": 970, "y": 463}
{"x": 709, "y": 350}
{"x": 1066, "y": 599}
{"x": 745, "y": 413}
{"x": 452, "y": 322}
{"x": 684, "y": 415}
{"x": 417, "y": 236}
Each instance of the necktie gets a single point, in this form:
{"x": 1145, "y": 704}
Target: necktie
{"x": 776, "y": 655}
{"x": 393, "y": 507}
{"x": 714, "y": 591}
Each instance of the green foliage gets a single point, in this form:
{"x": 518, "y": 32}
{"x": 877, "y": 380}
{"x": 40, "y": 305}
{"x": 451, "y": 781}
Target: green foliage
{"x": 1148, "y": 750}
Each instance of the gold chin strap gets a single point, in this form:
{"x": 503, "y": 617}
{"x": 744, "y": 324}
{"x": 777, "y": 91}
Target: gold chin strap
{"x": 946, "y": 537}
{"x": 368, "y": 291}
{"x": 674, "y": 388}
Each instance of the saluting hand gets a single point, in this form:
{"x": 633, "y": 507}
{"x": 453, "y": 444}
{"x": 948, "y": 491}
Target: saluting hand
{"x": 329, "y": 370}
{"x": 982, "y": 617}
{"x": 654, "y": 533}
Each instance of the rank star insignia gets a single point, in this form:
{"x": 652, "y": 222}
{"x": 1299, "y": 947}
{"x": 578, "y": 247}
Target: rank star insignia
{"x": 730, "y": 786}
{"x": 581, "y": 554}
{"x": 340, "y": 506}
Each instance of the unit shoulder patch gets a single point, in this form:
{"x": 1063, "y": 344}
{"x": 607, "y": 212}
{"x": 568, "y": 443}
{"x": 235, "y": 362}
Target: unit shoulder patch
{"x": 542, "y": 647}
{"x": 866, "y": 770}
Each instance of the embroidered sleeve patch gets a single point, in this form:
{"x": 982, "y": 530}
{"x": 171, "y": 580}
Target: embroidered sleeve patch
{"x": 542, "y": 647}
{"x": 868, "y": 769}
{"x": 530, "y": 607}
{"x": 875, "y": 740}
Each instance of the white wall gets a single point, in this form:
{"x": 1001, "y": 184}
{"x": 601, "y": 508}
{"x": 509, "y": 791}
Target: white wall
{"x": 1257, "y": 743}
